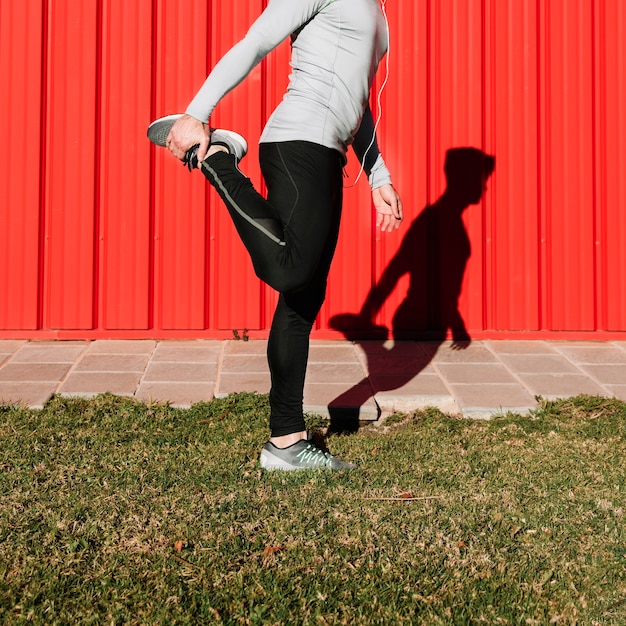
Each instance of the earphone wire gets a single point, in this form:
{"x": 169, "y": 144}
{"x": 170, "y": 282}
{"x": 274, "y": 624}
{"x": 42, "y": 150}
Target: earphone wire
{"x": 378, "y": 98}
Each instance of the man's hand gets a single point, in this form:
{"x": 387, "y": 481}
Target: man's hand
{"x": 388, "y": 207}
{"x": 186, "y": 133}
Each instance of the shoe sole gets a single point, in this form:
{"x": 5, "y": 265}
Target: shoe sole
{"x": 272, "y": 462}
{"x": 269, "y": 461}
{"x": 160, "y": 129}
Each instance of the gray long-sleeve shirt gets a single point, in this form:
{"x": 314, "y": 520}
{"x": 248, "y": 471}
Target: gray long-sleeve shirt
{"x": 336, "y": 48}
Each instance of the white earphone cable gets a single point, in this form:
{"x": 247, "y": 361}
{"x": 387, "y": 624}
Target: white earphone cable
{"x": 379, "y": 97}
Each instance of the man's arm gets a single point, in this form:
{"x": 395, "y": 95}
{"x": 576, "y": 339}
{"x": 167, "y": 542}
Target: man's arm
{"x": 386, "y": 199}
{"x": 277, "y": 22}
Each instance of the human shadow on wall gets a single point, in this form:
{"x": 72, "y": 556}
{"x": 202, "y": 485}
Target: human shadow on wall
{"x": 434, "y": 253}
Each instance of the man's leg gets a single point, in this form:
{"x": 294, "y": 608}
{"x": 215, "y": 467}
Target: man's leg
{"x": 304, "y": 184}
{"x": 284, "y": 252}
{"x": 319, "y": 199}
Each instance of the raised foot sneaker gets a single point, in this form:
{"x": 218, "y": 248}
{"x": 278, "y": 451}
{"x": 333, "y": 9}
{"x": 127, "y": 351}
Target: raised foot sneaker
{"x": 301, "y": 455}
{"x": 233, "y": 142}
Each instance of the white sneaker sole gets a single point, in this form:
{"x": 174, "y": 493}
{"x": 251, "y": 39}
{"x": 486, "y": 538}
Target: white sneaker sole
{"x": 272, "y": 462}
{"x": 160, "y": 129}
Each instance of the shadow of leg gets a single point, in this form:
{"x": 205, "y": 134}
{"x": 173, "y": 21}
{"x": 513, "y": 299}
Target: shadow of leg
{"x": 345, "y": 409}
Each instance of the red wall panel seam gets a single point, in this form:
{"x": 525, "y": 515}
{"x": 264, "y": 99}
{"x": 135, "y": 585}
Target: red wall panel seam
{"x": 152, "y": 174}
{"x": 483, "y": 131}
{"x": 97, "y": 281}
{"x": 45, "y": 38}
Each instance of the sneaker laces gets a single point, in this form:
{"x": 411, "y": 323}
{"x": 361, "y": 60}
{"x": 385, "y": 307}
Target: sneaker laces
{"x": 190, "y": 160}
{"x": 314, "y": 454}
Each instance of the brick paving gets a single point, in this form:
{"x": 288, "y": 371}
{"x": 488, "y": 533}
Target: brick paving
{"x": 365, "y": 379}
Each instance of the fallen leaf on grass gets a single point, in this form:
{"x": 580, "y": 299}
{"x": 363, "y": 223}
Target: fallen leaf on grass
{"x": 178, "y": 546}
{"x": 269, "y": 550}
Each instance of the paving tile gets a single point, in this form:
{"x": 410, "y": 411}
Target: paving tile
{"x": 177, "y": 394}
{"x": 504, "y": 346}
{"x": 112, "y": 363}
{"x": 35, "y": 372}
{"x": 393, "y": 393}
{"x": 424, "y": 384}
{"x": 50, "y": 352}
{"x": 336, "y": 400}
{"x": 607, "y": 374}
{"x": 475, "y": 373}
{"x": 474, "y": 353}
{"x": 180, "y": 372}
{"x": 233, "y": 382}
{"x": 560, "y": 385}
{"x": 398, "y": 359}
{"x": 242, "y": 363}
{"x": 489, "y": 399}
{"x": 8, "y": 346}
{"x": 30, "y": 394}
{"x": 258, "y": 346}
{"x": 122, "y": 346}
{"x": 338, "y": 394}
{"x": 92, "y": 383}
{"x": 188, "y": 351}
{"x": 407, "y": 404}
{"x": 538, "y": 364}
{"x": 593, "y": 353}
{"x": 329, "y": 353}
{"x": 402, "y": 349}
{"x": 334, "y": 373}
{"x": 619, "y": 391}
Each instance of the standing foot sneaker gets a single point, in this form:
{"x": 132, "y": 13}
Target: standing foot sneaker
{"x": 233, "y": 142}
{"x": 301, "y": 455}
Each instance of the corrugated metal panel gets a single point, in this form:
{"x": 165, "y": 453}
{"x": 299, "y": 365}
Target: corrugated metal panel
{"x": 512, "y": 229}
{"x": 567, "y": 164}
{"x": 70, "y": 182}
{"x": 125, "y": 218}
{"x": 117, "y": 239}
{"x": 610, "y": 146}
{"x": 456, "y": 120}
{"x": 21, "y": 58}
{"x": 180, "y": 232}
{"x": 236, "y": 292}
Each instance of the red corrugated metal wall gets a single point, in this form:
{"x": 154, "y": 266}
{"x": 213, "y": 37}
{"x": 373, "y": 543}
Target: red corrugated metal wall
{"x": 103, "y": 236}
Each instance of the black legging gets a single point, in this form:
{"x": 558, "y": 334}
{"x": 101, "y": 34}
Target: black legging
{"x": 291, "y": 238}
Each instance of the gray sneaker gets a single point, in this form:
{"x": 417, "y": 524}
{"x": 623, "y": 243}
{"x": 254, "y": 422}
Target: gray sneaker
{"x": 160, "y": 129}
{"x": 301, "y": 455}
{"x": 233, "y": 142}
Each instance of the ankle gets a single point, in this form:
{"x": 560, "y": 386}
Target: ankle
{"x": 214, "y": 149}
{"x": 285, "y": 441}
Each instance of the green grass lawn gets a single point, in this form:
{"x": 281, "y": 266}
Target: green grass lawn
{"x": 115, "y": 512}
